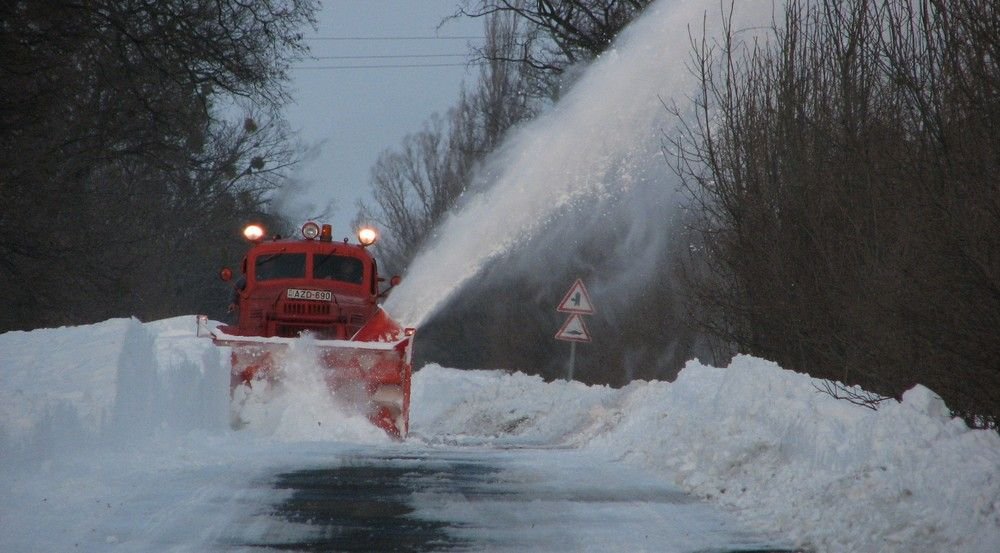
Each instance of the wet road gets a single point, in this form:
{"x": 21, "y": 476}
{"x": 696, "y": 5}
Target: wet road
{"x": 488, "y": 500}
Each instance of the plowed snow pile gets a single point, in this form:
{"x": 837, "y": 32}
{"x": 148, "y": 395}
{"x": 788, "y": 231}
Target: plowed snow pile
{"x": 117, "y": 436}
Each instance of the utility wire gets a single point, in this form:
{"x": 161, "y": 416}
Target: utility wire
{"x": 390, "y": 66}
{"x": 390, "y": 56}
{"x": 394, "y": 38}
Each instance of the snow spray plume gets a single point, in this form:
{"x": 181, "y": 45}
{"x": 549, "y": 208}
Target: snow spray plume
{"x": 600, "y": 140}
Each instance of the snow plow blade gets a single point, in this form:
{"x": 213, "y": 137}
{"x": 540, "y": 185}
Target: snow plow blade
{"x": 373, "y": 376}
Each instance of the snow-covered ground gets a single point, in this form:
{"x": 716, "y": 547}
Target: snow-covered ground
{"x": 116, "y": 436}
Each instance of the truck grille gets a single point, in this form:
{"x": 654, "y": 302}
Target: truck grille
{"x": 306, "y": 308}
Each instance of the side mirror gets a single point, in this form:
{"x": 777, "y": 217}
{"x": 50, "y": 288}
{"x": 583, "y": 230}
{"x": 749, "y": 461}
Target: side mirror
{"x": 393, "y": 282}
{"x": 226, "y": 274}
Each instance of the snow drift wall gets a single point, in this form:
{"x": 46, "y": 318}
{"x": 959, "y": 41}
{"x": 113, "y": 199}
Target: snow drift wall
{"x": 114, "y": 383}
{"x": 759, "y": 439}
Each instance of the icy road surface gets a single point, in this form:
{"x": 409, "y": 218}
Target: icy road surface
{"x": 433, "y": 499}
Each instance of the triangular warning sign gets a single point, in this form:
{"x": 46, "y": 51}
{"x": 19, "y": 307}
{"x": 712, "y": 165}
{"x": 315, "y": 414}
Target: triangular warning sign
{"x": 577, "y": 300}
{"x": 573, "y": 330}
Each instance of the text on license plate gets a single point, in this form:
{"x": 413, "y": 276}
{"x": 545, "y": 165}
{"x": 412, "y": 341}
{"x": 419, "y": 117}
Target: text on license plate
{"x": 317, "y": 295}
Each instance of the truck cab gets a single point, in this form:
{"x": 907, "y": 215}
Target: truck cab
{"x": 313, "y": 283}
{"x": 330, "y": 290}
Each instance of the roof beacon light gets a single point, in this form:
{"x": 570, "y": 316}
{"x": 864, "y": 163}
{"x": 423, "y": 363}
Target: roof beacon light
{"x": 326, "y": 235}
{"x": 367, "y": 236}
{"x": 310, "y": 230}
{"x": 253, "y": 233}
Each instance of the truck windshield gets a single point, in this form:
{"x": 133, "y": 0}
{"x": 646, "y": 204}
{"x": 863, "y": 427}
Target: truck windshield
{"x": 338, "y": 267}
{"x": 280, "y": 265}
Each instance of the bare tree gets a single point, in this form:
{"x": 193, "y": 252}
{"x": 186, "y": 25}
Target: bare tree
{"x": 416, "y": 185}
{"x": 849, "y": 223}
{"x": 114, "y": 118}
{"x": 556, "y": 34}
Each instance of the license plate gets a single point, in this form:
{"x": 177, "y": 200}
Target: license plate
{"x": 315, "y": 295}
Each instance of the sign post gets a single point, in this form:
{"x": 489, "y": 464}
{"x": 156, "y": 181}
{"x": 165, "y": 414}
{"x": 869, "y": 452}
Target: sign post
{"x": 577, "y": 303}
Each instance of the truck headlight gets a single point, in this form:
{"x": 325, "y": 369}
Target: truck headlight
{"x": 367, "y": 236}
{"x": 253, "y": 233}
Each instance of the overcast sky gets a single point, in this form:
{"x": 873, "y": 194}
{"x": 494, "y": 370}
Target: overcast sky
{"x": 351, "y": 115}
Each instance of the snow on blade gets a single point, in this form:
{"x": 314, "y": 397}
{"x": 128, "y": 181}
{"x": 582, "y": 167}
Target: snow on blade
{"x": 300, "y": 407}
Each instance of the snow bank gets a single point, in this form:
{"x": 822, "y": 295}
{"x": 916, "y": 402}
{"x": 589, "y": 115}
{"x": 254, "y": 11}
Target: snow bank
{"x": 123, "y": 383}
{"x": 829, "y": 474}
{"x": 500, "y": 408}
{"x": 111, "y": 383}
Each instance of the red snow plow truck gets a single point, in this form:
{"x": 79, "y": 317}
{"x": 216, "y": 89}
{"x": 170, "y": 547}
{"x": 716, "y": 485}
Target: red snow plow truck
{"x": 327, "y": 290}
